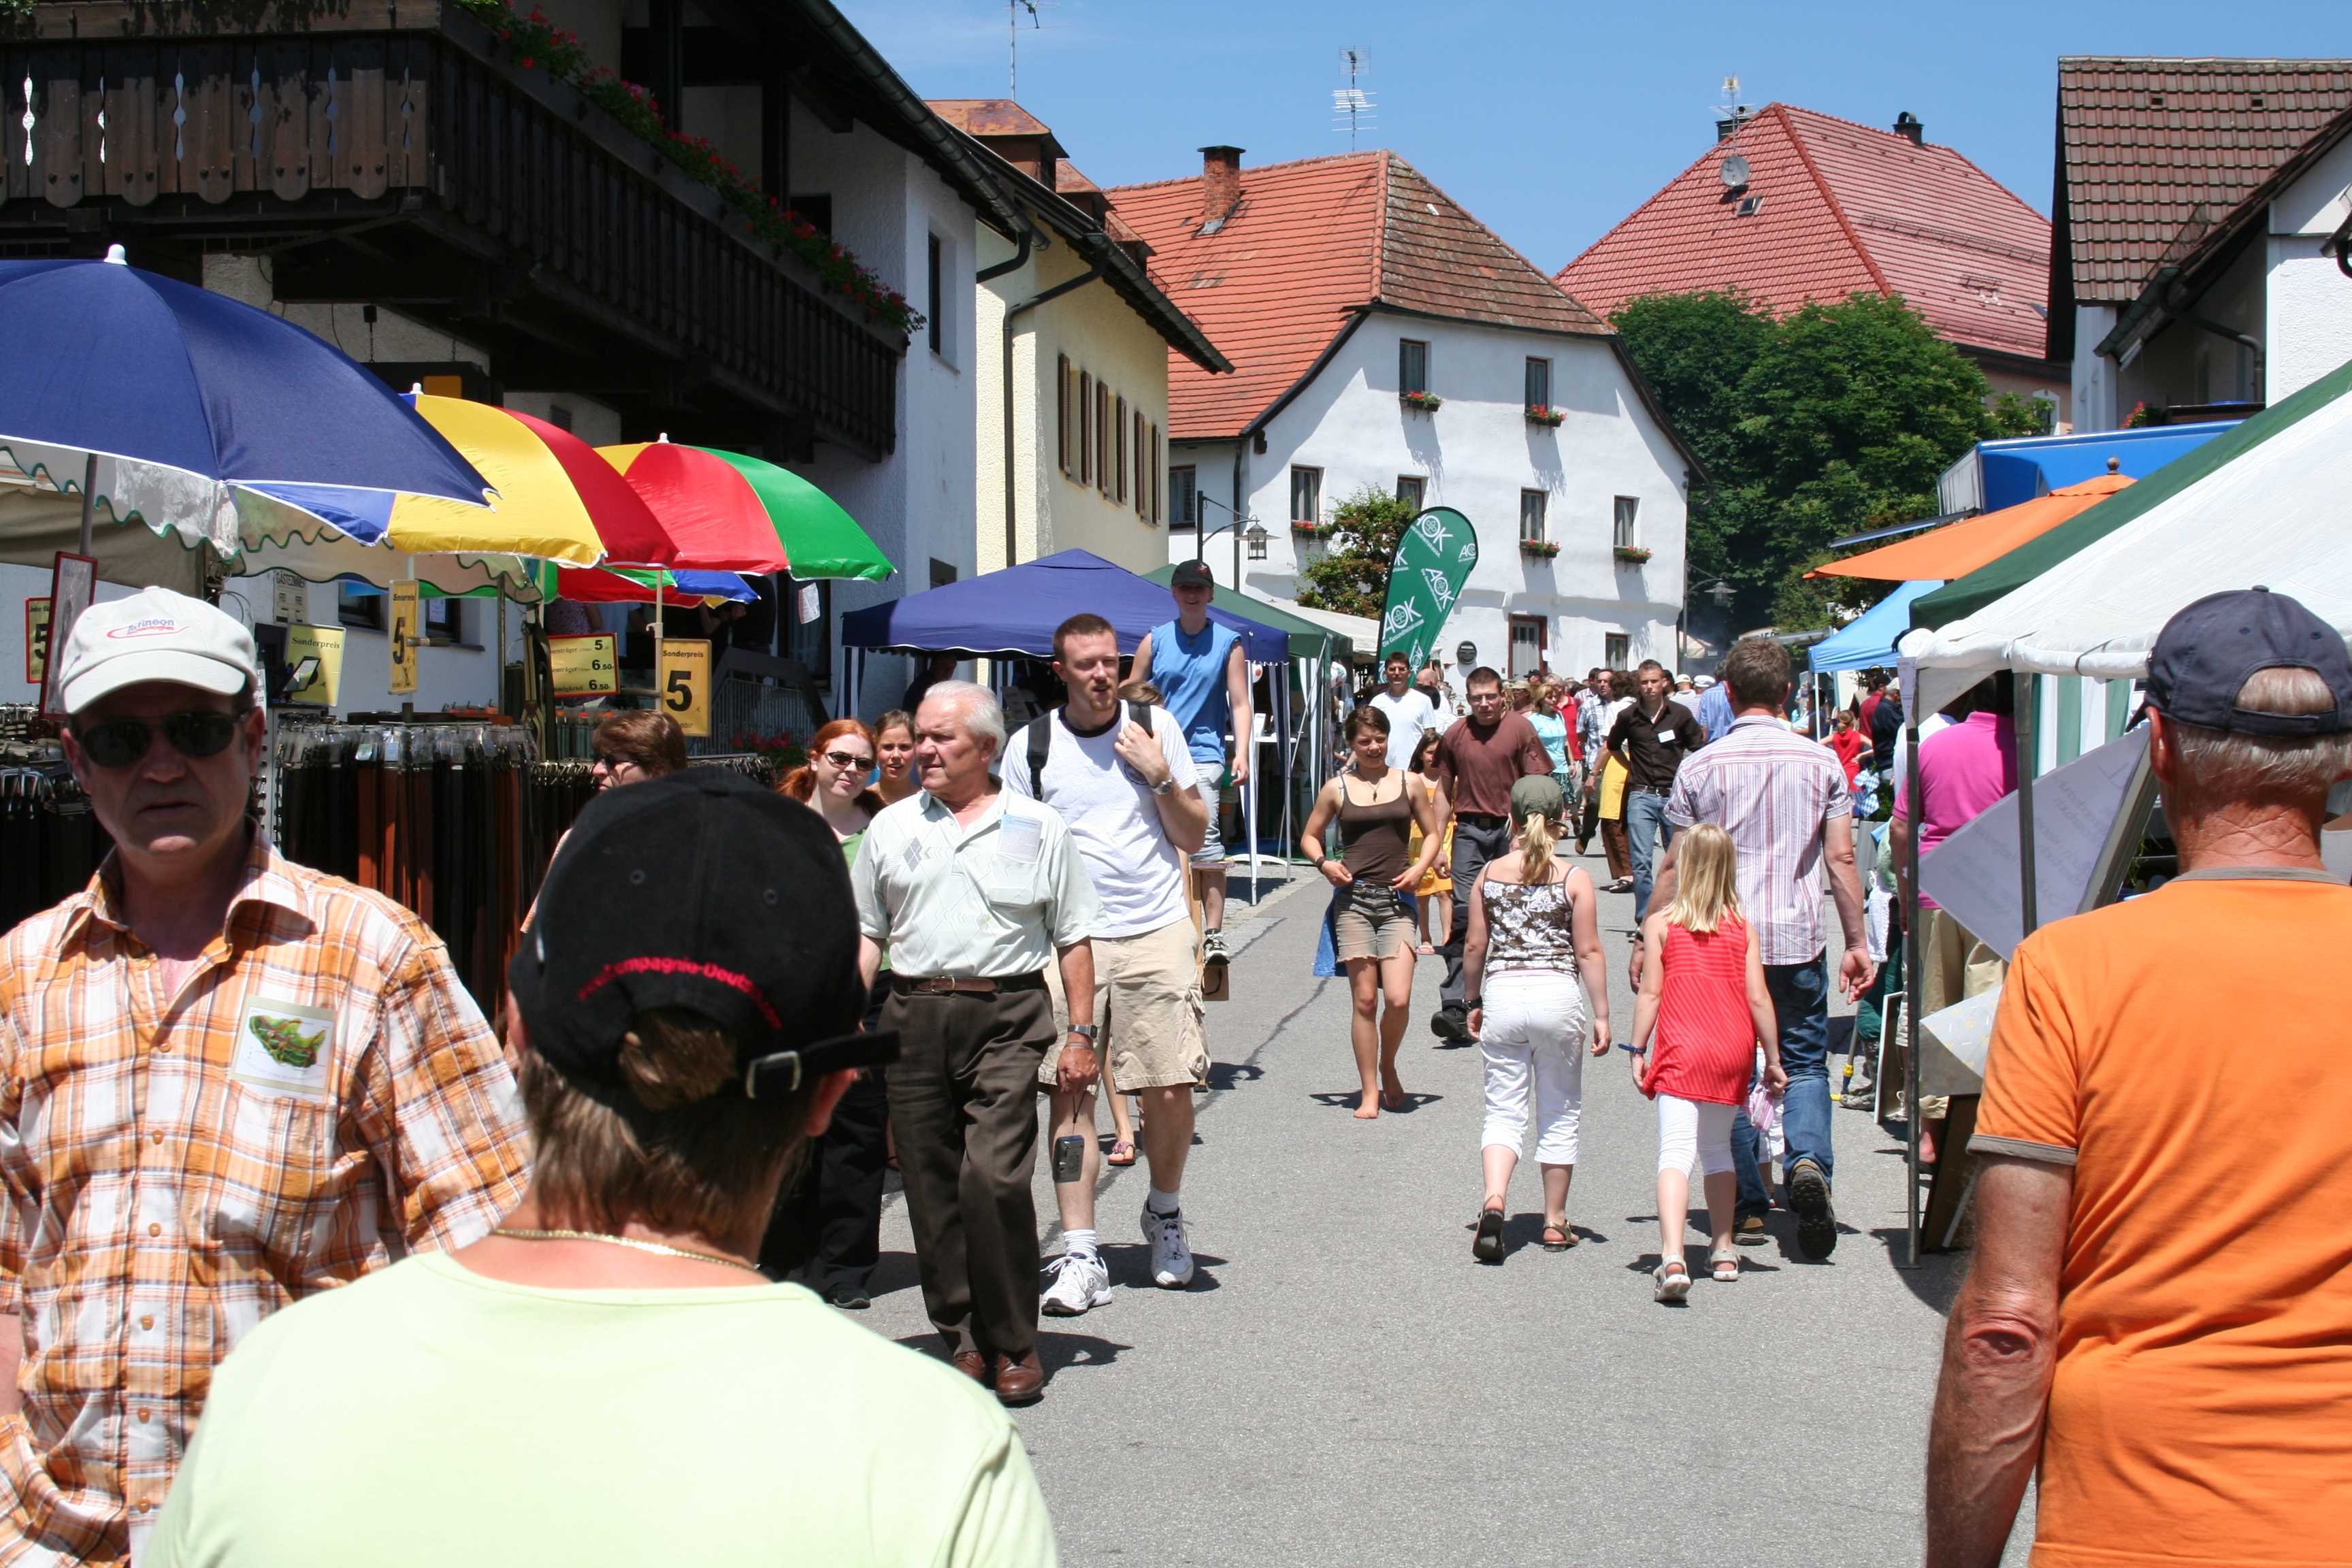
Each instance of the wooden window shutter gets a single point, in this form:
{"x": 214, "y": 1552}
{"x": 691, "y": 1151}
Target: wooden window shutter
{"x": 1119, "y": 448}
{"x": 1158, "y": 474}
{"x": 1086, "y": 428}
{"x": 1061, "y": 409}
{"x": 1102, "y": 438}
{"x": 1143, "y": 476}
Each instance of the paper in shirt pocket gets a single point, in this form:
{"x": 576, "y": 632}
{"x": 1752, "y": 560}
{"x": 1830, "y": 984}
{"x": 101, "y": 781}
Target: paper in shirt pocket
{"x": 1018, "y": 838}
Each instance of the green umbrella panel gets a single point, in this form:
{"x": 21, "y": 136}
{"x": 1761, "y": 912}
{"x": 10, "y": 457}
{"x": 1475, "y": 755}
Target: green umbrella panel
{"x": 1995, "y": 579}
{"x": 820, "y": 537}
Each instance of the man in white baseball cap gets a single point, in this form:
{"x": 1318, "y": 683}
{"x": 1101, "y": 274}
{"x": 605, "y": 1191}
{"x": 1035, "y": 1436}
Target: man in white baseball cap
{"x": 225, "y": 1081}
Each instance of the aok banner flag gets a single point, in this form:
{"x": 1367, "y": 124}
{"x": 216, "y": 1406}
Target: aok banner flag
{"x": 1432, "y": 560}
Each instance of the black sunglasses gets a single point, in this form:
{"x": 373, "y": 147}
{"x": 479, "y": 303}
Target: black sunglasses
{"x": 119, "y": 742}
{"x": 846, "y": 760}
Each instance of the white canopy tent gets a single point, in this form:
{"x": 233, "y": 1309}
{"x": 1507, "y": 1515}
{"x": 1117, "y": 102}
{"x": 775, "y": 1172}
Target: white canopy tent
{"x": 2276, "y": 516}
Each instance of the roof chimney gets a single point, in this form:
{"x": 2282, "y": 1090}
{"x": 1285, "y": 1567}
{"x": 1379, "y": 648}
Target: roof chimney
{"x": 1221, "y": 185}
{"x": 1907, "y": 125}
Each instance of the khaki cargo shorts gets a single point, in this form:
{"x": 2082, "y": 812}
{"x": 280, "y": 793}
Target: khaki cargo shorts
{"x": 1147, "y": 1007}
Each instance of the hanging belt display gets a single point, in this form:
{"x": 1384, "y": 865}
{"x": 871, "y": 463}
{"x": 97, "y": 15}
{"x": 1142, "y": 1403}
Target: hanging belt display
{"x": 50, "y": 842}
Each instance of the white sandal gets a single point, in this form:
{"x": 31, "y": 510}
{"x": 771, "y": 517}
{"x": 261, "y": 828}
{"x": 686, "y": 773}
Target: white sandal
{"x": 1674, "y": 1280}
{"x": 1725, "y": 1265}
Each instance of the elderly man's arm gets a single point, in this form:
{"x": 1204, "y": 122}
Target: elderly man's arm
{"x": 1999, "y": 1353}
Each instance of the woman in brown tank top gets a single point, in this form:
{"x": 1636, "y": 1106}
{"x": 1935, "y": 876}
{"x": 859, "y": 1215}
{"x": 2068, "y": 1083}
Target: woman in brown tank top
{"x": 1376, "y": 806}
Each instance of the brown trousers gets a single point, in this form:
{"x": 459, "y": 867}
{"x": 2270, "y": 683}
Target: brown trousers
{"x": 963, "y": 1110}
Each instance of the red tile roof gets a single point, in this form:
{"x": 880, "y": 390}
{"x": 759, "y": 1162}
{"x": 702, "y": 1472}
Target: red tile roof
{"x": 2153, "y": 153}
{"x": 1843, "y": 207}
{"x": 1309, "y": 245}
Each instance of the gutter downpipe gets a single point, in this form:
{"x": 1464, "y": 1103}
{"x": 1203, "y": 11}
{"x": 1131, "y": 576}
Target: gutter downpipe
{"x": 1011, "y": 486}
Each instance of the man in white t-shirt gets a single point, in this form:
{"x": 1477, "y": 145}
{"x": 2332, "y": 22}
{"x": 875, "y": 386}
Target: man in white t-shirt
{"x": 1409, "y": 710}
{"x": 1122, "y": 779}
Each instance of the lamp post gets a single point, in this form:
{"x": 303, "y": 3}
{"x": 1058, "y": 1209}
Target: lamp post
{"x": 1244, "y": 527}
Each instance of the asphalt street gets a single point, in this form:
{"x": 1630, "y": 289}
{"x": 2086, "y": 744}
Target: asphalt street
{"x": 1343, "y": 1383}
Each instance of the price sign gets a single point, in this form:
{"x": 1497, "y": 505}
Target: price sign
{"x": 686, "y": 683}
{"x": 289, "y": 598}
{"x": 404, "y": 624}
{"x": 585, "y": 665}
{"x": 37, "y": 641}
{"x": 324, "y": 644}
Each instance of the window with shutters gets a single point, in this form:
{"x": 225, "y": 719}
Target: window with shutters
{"x": 1413, "y": 365}
{"x": 1086, "y": 428}
{"x": 1062, "y": 411}
{"x": 1183, "y": 506}
{"x": 1306, "y": 495}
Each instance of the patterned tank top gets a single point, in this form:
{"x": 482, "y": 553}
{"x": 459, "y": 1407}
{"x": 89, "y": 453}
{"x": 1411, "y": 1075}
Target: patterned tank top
{"x": 1705, "y": 1043}
{"x": 1527, "y": 925}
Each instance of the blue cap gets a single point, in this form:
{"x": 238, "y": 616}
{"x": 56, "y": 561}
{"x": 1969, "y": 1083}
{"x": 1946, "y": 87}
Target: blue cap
{"x": 2208, "y": 652}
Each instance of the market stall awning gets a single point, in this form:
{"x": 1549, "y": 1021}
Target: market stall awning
{"x": 1868, "y": 642}
{"x": 1957, "y": 548}
{"x": 2268, "y": 508}
{"x": 1015, "y": 611}
{"x": 2022, "y": 565}
{"x": 1996, "y": 474}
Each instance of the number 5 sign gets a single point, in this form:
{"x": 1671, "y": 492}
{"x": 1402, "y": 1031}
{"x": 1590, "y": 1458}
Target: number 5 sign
{"x": 686, "y": 683}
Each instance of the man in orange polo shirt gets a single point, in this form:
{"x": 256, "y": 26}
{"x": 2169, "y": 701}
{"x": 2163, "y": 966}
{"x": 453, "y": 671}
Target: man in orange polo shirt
{"x": 2159, "y": 1313}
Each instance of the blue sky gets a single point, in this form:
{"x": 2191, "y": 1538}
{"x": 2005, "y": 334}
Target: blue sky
{"x": 1548, "y": 122}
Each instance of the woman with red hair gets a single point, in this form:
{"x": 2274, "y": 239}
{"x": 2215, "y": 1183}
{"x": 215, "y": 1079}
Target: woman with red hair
{"x": 826, "y": 1231}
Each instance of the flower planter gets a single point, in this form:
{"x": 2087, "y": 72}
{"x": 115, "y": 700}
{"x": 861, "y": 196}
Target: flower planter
{"x": 1311, "y": 529}
{"x": 1427, "y": 402}
{"x": 1540, "y": 414}
{"x": 1631, "y": 554}
{"x": 1539, "y": 549}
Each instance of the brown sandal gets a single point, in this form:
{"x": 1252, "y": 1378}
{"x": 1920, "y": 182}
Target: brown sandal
{"x": 1122, "y": 1154}
{"x": 1565, "y": 1237}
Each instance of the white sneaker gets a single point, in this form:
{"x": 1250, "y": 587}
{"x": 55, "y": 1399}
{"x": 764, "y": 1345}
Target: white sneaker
{"x": 1080, "y": 1283}
{"x": 1171, "y": 1258}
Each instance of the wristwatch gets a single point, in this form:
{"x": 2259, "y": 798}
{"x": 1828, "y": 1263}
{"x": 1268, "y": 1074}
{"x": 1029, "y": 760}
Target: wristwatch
{"x": 1165, "y": 786}
{"x": 1086, "y": 1032}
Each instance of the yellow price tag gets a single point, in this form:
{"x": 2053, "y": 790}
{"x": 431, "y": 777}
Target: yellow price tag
{"x": 404, "y": 639}
{"x": 585, "y": 664}
{"x": 686, "y": 683}
{"x": 37, "y": 641}
{"x": 324, "y": 644}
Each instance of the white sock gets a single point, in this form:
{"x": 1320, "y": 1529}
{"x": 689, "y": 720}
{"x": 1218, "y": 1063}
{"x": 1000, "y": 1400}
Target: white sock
{"x": 1160, "y": 1203}
{"x": 1079, "y": 1243}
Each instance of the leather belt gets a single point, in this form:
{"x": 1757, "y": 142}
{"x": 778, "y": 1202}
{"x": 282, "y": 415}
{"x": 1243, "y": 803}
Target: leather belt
{"x": 1480, "y": 818}
{"x": 960, "y": 986}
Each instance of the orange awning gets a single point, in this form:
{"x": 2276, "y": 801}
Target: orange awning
{"x": 1959, "y": 548}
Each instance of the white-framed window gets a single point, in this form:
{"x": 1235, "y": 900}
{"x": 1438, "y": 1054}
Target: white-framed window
{"x": 1306, "y": 494}
{"x": 1531, "y": 517}
{"x": 1624, "y": 533}
{"x": 1616, "y": 649}
{"x": 1413, "y": 365}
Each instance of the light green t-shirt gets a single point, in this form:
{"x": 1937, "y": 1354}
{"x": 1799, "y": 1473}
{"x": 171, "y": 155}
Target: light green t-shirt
{"x": 426, "y": 1415}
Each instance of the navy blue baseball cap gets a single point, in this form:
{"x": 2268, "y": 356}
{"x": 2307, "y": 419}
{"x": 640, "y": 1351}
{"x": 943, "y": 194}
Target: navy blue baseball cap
{"x": 2209, "y": 650}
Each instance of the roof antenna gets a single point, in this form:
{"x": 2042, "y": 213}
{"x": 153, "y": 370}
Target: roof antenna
{"x": 1731, "y": 113}
{"x": 1352, "y": 105}
{"x": 1013, "y": 11}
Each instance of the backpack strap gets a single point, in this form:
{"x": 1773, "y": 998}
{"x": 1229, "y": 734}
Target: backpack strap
{"x": 1142, "y": 714}
{"x": 1039, "y": 741}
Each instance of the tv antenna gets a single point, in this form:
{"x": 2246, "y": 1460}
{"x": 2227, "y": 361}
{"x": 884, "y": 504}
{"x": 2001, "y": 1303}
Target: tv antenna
{"x": 1731, "y": 108}
{"x": 1352, "y": 105}
{"x": 1013, "y": 10}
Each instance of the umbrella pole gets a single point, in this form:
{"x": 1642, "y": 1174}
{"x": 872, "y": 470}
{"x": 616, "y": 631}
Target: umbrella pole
{"x": 89, "y": 502}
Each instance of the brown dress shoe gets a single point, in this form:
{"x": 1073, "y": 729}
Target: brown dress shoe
{"x": 973, "y": 1364}
{"x": 1019, "y": 1381}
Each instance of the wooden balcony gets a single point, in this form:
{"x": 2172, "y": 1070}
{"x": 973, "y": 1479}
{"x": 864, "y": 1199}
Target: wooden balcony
{"x": 393, "y": 155}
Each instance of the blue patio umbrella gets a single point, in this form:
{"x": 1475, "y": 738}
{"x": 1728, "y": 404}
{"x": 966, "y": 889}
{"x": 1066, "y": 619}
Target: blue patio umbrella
{"x": 110, "y": 361}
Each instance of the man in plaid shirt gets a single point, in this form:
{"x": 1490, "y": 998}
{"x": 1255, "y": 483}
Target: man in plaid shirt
{"x": 226, "y": 1082}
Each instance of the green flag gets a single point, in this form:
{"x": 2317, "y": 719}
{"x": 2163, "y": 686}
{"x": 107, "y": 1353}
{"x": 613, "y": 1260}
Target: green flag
{"x": 1433, "y": 558}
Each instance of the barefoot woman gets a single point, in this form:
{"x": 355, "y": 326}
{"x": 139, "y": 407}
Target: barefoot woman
{"x": 1376, "y": 806}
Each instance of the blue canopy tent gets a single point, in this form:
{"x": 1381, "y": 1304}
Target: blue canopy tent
{"x": 1013, "y": 612}
{"x": 1868, "y": 640}
{"x": 1996, "y": 474}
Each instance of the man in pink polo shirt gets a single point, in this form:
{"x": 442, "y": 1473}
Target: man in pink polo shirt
{"x": 1963, "y": 769}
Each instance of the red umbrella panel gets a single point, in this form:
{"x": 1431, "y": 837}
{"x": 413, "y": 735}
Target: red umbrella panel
{"x": 714, "y": 518}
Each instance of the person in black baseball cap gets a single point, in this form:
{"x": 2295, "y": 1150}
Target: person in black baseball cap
{"x": 609, "y": 1368}
{"x": 1202, "y": 672}
{"x": 2163, "y": 1157}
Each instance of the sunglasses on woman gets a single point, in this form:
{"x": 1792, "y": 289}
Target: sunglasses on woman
{"x": 847, "y": 760}
{"x": 119, "y": 742}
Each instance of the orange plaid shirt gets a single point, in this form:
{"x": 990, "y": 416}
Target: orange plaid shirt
{"x": 320, "y": 1098}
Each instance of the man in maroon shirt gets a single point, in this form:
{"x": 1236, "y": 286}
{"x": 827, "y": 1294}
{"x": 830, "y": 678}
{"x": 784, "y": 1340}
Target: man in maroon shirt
{"x": 1477, "y": 762}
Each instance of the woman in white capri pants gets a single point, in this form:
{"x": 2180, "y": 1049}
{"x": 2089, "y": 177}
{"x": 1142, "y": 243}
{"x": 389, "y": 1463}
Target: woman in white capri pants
{"x": 1532, "y": 929}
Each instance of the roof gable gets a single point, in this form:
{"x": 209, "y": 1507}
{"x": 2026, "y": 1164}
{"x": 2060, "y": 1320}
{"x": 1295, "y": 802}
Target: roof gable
{"x": 1309, "y": 245}
{"x": 1834, "y": 208}
{"x": 2153, "y": 154}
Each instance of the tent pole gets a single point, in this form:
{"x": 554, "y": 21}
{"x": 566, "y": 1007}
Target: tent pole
{"x": 1914, "y": 954}
{"x": 2026, "y": 687}
{"x": 88, "y": 504}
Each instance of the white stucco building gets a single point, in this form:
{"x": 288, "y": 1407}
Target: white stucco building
{"x": 1350, "y": 294}
{"x": 2203, "y": 223}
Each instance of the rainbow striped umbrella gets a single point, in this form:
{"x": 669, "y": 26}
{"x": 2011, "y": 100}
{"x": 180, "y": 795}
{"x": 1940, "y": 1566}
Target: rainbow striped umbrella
{"x": 726, "y": 511}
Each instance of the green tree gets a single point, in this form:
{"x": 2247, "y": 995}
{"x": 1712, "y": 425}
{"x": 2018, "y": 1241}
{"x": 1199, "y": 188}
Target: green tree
{"x": 1833, "y": 420}
{"x": 1352, "y": 574}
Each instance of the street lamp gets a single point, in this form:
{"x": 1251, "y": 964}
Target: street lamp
{"x": 1244, "y": 527}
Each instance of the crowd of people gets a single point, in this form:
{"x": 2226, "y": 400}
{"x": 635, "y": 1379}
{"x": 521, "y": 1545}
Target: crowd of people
{"x": 249, "y": 1117}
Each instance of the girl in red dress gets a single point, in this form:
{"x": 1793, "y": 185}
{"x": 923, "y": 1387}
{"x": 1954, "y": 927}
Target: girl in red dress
{"x": 1702, "y": 997}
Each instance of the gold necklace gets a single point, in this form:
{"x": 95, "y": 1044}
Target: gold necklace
{"x": 627, "y": 1241}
